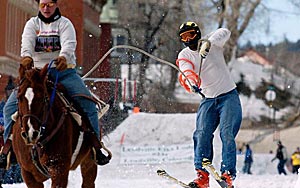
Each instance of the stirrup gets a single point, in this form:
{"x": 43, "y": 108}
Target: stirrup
{"x": 99, "y": 157}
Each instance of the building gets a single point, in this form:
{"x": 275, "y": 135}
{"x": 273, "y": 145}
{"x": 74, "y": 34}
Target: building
{"x": 92, "y": 40}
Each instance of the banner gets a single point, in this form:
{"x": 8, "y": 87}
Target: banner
{"x": 156, "y": 154}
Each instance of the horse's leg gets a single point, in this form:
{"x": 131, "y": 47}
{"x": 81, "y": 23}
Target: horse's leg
{"x": 30, "y": 181}
{"x": 88, "y": 173}
{"x": 59, "y": 179}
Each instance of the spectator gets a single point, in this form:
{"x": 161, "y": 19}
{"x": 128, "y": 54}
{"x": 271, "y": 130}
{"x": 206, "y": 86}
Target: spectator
{"x": 281, "y": 155}
{"x": 239, "y": 151}
{"x": 2, "y": 171}
{"x": 296, "y": 160}
{"x": 248, "y": 160}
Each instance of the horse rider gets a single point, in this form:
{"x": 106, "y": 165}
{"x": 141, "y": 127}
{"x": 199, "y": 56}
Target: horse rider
{"x": 46, "y": 37}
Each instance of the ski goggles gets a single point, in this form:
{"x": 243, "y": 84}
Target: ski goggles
{"x": 50, "y": 4}
{"x": 188, "y": 35}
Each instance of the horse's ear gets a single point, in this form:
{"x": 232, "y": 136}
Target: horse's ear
{"x": 21, "y": 71}
{"x": 44, "y": 71}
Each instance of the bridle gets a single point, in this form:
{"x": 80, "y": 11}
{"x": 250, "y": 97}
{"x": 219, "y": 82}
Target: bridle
{"x": 40, "y": 139}
{"x": 40, "y": 121}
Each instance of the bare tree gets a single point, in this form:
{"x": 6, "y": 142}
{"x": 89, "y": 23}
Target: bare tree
{"x": 232, "y": 14}
{"x": 236, "y": 16}
{"x": 96, "y": 4}
{"x": 152, "y": 28}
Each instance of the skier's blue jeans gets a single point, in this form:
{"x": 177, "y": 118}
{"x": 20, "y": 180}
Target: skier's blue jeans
{"x": 74, "y": 86}
{"x": 224, "y": 111}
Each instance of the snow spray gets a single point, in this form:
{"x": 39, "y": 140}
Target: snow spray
{"x": 298, "y": 181}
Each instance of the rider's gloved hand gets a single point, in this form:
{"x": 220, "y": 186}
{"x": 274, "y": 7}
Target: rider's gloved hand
{"x": 61, "y": 63}
{"x": 27, "y": 62}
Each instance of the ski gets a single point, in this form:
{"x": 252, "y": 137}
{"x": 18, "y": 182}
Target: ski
{"x": 163, "y": 173}
{"x": 207, "y": 165}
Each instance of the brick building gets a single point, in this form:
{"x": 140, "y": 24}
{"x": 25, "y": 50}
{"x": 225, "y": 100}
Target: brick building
{"x": 93, "y": 39}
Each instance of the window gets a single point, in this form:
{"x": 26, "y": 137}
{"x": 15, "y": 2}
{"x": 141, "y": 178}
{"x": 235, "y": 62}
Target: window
{"x": 120, "y": 40}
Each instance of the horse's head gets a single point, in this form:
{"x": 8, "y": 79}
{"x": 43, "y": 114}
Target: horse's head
{"x": 32, "y": 103}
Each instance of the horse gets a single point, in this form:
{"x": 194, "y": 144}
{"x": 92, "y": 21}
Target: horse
{"x": 47, "y": 140}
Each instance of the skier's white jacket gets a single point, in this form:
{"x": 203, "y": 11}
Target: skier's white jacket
{"x": 215, "y": 76}
{"x": 45, "y": 42}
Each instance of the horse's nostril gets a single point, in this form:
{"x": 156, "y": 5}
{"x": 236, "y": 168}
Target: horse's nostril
{"x": 23, "y": 134}
{"x": 35, "y": 135}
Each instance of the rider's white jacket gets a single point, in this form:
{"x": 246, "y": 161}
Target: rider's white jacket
{"x": 215, "y": 76}
{"x": 45, "y": 42}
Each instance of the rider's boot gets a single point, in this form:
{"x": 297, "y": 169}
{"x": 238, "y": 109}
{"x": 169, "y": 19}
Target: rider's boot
{"x": 5, "y": 151}
{"x": 98, "y": 156}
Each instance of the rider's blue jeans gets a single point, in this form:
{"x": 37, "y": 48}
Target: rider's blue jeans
{"x": 224, "y": 111}
{"x": 9, "y": 109}
{"x": 74, "y": 86}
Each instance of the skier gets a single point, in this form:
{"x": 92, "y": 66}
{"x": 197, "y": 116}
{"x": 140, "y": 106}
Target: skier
{"x": 46, "y": 37}
{"x": 206, "y": 69}
{"x": 248, "y": 160}
{"x": 281, "y": 155}
{"x": 296, "y": 160}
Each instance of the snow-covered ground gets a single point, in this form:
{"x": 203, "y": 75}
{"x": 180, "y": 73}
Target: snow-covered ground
{"x": 143, "y": 132}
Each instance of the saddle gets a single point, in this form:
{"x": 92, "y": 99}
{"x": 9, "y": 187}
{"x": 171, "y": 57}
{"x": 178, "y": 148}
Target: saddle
{"x": 102, "y": 107}
{"x": 75, "y": 111}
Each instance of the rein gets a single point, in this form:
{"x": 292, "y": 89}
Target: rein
{"x": 36, "y": 148}
{"x": 52, "y": 97}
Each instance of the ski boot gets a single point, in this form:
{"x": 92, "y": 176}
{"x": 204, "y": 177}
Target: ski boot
{"x": 202, "y": 180}
{"x": 228, "y": 178}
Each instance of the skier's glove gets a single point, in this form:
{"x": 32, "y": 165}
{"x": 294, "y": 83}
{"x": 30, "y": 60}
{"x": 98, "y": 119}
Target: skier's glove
{"x": 193, "y": 86}
{"x": 204, "y": 49}
{"x": 61, "y": 63}
{"x": 27, "y": 62}
{"x": 195, "y": 89}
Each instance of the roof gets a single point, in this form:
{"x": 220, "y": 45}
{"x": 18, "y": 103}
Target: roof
{"x": 256, "y": 57}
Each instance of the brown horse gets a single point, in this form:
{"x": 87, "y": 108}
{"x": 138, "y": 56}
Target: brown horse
{"x": 47, "y": 140}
